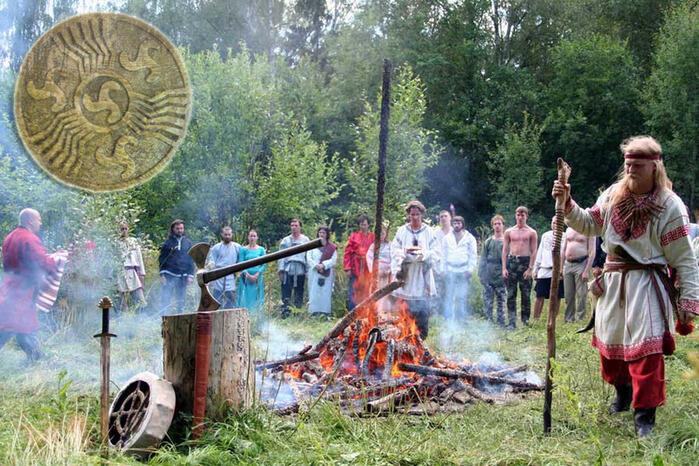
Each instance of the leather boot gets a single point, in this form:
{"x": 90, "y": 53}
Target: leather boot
{"x": 644, "y": 421}
{"x": 622, "y": 401}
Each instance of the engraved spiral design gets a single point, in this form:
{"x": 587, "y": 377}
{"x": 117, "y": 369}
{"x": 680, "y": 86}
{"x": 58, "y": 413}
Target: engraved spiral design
{"x": 102, "y": 101}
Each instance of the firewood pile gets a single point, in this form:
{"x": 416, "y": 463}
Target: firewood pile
{"x": 374, "y": 362}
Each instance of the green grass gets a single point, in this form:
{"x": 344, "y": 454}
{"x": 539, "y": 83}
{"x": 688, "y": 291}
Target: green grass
{"x": 41, "y": 419}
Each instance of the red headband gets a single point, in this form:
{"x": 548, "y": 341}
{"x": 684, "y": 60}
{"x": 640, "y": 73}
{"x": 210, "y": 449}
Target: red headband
{"x": 642, "y": 156}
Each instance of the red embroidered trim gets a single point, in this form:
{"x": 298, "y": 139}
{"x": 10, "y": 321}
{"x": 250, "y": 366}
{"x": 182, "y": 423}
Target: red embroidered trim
{"x": 596, "y": 214}
{"x": 653, "y": 345}
{"x": 619, "y": 223}
{"x": 673, "y": 235}
{"x": 689, "y": 305}
{"x": 570, "y": 203}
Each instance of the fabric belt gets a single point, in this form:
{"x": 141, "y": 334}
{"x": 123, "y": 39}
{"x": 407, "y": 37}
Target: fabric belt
{"x": 577, "y": 260}
{"x": 616, "y": 264}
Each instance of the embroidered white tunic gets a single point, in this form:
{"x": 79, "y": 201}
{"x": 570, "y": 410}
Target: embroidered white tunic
{"x": 633, "y": 327}
{"x": 419, "y": 282}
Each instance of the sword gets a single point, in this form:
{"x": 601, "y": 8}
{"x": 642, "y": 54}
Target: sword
{"x": 105, "y": 304}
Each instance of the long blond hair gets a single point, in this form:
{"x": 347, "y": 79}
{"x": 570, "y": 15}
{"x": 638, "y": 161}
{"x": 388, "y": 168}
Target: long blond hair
{"x": 644, "y": 145}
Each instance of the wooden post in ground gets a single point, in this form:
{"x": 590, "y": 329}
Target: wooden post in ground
{"x": 231, "y": 380}
{"x": 381, "y": 173}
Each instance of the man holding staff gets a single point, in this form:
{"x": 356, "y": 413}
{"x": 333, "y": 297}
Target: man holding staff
{"x": 645, "y": 229}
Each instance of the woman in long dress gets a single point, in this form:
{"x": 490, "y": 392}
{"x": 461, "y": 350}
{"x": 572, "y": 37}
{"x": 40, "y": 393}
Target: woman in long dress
{"x": 384, "y": 303}
{"x": 321, "y": 275}
{"x": 251, "y": 286}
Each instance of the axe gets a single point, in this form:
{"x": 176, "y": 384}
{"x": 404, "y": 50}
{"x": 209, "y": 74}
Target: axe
{"x": 208, "y": 303}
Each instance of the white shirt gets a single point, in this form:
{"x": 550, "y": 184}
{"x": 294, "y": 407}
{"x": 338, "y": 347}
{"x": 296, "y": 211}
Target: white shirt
{"x": 543, "y": 266}
{"x": 460, "y": 256}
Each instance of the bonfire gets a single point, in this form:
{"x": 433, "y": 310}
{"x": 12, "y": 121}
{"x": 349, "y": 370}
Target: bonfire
{"x": 374, "y": 361}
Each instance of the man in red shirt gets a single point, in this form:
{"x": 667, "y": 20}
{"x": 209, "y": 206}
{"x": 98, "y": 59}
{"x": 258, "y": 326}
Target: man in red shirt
{"x": 354, "y": 262}
{"x": 25, "y": 265}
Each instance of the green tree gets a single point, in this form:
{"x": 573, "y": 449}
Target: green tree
{"x": 672, "y": 99}
{"x": 297, "y": 181}
{"x": 412, "y": 149}
{"x": 516, "y": 165}
{"x": 594, "y": 102}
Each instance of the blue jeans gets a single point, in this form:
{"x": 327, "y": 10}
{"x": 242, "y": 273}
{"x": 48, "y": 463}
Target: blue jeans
{"x": 27, "y": 341}
{"x": 455, "y": 295}
{"x": 173, "y": 286}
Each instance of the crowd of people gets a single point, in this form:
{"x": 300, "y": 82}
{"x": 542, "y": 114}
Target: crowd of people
{"x": 635, "y": 244}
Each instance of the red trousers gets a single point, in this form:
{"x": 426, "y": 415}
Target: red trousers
{"x": 646, "y": 376}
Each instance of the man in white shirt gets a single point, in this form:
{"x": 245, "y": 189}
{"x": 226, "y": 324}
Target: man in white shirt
{"x": 223, "y": 254}
{"x": 460, "y": 257}
{"x": 416, "y": 253}
{"x": 543, "y": 270}
{"x": 292, "y": 270}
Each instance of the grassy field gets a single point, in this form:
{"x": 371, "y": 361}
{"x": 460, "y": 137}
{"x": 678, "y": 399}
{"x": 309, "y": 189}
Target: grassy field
{"x": 49, "y": 411}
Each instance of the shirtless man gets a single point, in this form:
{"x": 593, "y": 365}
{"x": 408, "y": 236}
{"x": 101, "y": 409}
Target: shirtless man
{"x": 579, "y": 253}
{"x": 518, "y": 256}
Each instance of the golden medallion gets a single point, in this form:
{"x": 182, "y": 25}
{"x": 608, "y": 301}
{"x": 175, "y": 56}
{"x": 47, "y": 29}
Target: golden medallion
{"x": 102, "y": 101}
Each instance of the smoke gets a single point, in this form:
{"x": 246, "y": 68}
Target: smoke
{"x": 464, "y": 339}
{"x": 137, "y": 348}
{"x": 276, "y": 342}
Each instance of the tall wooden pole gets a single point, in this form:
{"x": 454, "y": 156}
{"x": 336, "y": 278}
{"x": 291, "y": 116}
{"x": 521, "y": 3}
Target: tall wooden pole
{"x": 563, "y": 175}
{"x": 381, "y": 174}
{"x": 105, "y": 304}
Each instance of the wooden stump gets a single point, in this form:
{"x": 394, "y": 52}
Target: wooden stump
{"x": 231, "y": 371}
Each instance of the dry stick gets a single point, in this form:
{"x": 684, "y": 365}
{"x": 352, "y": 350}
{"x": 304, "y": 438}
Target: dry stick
{"x": 349, "y": 317}
{"x": 508, "y": 371}
{"x": 381, "y": 174}
{"x": 457, "y": 374}
{"x": 390, "y": 355}
{"x": 288, "y": 361}
{"x": 563, "y": 175}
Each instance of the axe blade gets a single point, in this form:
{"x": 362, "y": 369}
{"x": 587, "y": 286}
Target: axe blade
{"x": 198, "y": 253}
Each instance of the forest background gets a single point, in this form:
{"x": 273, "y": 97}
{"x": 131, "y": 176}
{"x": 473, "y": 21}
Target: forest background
{"x": 486, "y": 95}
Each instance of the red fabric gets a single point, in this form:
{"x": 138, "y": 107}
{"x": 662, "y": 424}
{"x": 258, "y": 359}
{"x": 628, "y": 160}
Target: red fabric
{"x": 641, "y": 156}
{"x": 684, "y": 328}
{"x": 355, "y": 253}
{"x": 646, "y": 376}
{"x": 25, "y": 264}
{"x": 649, "y": 346}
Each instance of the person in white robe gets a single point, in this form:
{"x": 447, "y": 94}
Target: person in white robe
{"x": 645, "y": 229}
{"x": 460, "y": 259}
{"x": 321, "y": 274}
{"x": 384, "y": 303}
{"x": 415, "y": 255}
{"x": 132, "y": 278}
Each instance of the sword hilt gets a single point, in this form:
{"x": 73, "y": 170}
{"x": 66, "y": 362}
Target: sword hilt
{"x": 105, "y": 304}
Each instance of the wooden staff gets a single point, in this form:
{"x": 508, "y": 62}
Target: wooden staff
{"x": 563, "y": 175}
{"x": 381, "y": 175}
{"x": 105, "y": 304}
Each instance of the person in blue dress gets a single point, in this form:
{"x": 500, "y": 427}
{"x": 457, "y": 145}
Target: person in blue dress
{"x": 251, "y": 287}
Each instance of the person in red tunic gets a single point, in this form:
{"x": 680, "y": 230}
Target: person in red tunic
{"x": 25, "y": 264}
{"x": 354, "y": 262}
